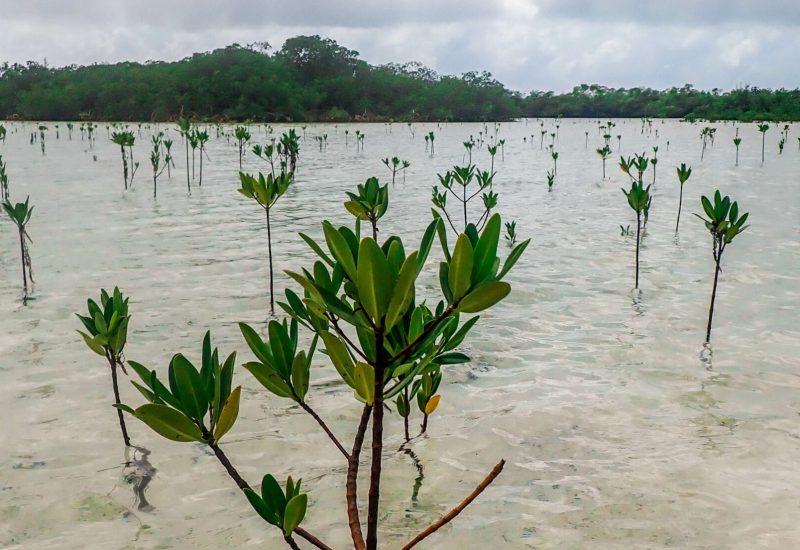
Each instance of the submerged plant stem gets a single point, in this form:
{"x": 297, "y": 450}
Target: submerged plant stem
{"x": 718, "y": 259}
{"x": 112, "y": 361}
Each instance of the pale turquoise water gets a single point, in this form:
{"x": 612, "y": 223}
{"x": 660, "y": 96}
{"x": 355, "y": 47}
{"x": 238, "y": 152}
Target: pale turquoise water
{"x": 616, "y": 432}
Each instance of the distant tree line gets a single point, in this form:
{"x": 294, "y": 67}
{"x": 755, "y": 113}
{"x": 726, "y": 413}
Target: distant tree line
{"x": 313, "y": 78}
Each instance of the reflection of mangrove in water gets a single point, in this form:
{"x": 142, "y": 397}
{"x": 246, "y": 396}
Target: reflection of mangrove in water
{"x": 420, "y": 471}
{"x": 712, "y": 427}
{"x": 139, "y": 472}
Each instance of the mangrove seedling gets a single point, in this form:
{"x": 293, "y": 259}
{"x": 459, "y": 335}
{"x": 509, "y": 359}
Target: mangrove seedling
{"x": 193, "y": 143}
{"x": 167, "y": 143}
{"x": 125, "y": 139}
{"x": 511, "y": 233}
{"x": 107, "y": 326}
{"x": 604, "y": 152}
{"x": 267, "y": 152}
{"x": 242, "y": 136}
{"x": 266, "y": 192}
{"x": 20, "y": 214}
{"x": 737, "y": 141}
{"x": 463, "y": 177}
{"x": 369, "y": 204}
{"x": 156, "y": 161}
{"x": 42, "y": 130}
{"x": 654, "y": 162}
{"x": 551, "y": 179}
{"x": 395, "y": 164}
{"x": 763, "y": 129}
{"x": 202, "y": 138}
{"x": 288, "y": 150}
{"x": 200, "y": 406}
{"x": 705, "y": 133}
{"x": 185, "y": 128}
{"x": 468, "y": 145}
{"x": 724, "y": 223}
{"x": 683, "y": 174}
{"x": 361, "y": 287}
{"x": 5, "y": 195}
{"x": 638, "y": 198}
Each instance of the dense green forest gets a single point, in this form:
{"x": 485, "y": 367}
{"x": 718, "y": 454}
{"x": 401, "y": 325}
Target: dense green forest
{"x": 314, "y": 78}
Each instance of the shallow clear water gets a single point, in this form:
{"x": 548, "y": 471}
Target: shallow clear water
{"x": 618, "y": 429}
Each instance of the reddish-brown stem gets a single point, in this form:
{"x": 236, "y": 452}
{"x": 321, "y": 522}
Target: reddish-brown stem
{"x": 447, "y": 518}
{"x": 377, "y": 445}
{"x": 352, "y": 482}
{"x": 311, "y": 538}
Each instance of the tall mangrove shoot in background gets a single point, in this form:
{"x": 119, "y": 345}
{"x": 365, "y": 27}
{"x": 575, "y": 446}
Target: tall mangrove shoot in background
{"x": 266, "y": 192}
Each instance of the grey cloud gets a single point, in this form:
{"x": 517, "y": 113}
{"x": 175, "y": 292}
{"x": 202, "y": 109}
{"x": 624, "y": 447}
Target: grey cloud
{"x": 527, "y": 44}
{"x": 688, "y": 13}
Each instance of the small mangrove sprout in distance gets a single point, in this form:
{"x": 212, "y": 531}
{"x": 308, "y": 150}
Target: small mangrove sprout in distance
{"x": 463, "y": 177}
{"x": 185, "y": 128}
{"x": 604, "y": 152}
{"x": 763, "y": 129}
{"x": 126, "y": 139}
{"x": 638, "y": 198}
{"x": 395, "y": 165}
{"x": 511, "y": 233}
{"x": 288, "y": 151}
{"x": 202, "y": 138}
{"x": 242, "y": 136}
{"x": 5, "y": 195}
{"x": 683, "y": 174}
{"x": 156, "y": 161}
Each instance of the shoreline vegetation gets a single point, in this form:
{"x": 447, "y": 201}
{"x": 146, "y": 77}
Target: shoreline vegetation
{"x": 314, "y": 79}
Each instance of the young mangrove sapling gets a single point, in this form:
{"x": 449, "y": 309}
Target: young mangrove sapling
{"x": 724, "y": 223}
{"x": 266, "y": 192}
{"x": 107, "y": 326}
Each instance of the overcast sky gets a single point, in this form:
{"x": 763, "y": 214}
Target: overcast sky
{"x": 527, "y": 44}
